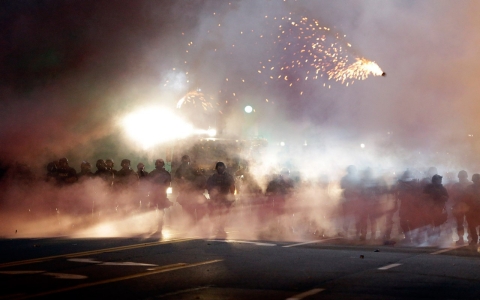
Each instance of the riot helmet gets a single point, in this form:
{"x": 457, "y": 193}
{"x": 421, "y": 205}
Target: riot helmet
{"x": 437, "y": 179}
{"x": 101, "y": 165}
{"x": 63, "y": 162}
{"x": 462, "y": 174}
{"x": 85, "y": 165}
{"x": 109, "y": 163}
{"x": 159, "y": 163}
{"x": 476, "y": 178}
{"x": 125, "y": 163}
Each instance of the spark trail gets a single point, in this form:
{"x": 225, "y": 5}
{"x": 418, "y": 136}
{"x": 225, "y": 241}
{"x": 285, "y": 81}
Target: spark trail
{"x": 309, "y": 51}
{"x": 290, "y": 50}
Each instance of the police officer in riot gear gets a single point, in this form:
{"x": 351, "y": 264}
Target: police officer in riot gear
{"x": 141, "y": 173}
{"x": 438, "y": 196}
{"x": 369, "y": 209}
{"x": 85, "y": 171}
{"x": 143, "y": 190}
{"x": 185, "y": 170}
{"x": 103, "y": 173}
{"x": 350, "y": 184}
{"x": 473, "y": 211}
{"x": 52, "y": 168}
{"x": 459, "y": 206}
{"x": 184, "y": 177}
{"x": 125, "y": 177}
{"x": 278, "y": 191}
{"x": 406, "y": 192}
{"x": 65, "y": 174}
{"x": 109, "y": 165}
{"x": 221, "y": 189}
{"x": 160, "y": 180}
{"x": 195, "y": 203}
{"x": 126, "y": 180}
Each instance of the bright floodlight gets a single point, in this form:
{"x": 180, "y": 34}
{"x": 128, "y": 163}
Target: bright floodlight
{"x": 154, "y": 125}
{"x": 248, "y": 109}
{"x": 212, "y": 132}
{"x": 362, "y": 145}
{"x": 282, "y": 144}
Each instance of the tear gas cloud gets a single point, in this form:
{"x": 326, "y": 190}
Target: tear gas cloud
{"x": 74, "y": 70}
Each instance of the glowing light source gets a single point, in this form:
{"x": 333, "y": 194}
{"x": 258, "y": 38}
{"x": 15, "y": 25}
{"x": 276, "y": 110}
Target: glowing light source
{"x": 248, "y": 109}
{"x": 155, "y": 125}
{"x": 212, "y": 132}
{"x": 282, "y": 144}
{"x": 362, "y": 145}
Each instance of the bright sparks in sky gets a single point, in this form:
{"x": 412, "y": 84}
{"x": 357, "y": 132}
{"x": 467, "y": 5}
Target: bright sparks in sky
{"x": 310, "y": 51}
{"x": 194, "y": 98}
{"x": 297, "y": 51}
{"x": 361, "y": 69}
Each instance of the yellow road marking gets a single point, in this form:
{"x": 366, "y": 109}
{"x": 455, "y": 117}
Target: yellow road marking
{"x": 167, "y": 268}
{"x": 92, "y": 252}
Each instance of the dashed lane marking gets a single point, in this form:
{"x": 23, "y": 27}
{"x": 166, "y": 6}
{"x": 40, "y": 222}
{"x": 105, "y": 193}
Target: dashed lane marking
{"x": 156, "y": 271}
{"x": 389, "y": 266}
{"x": 311, "y": 242}
{"x": 92, "y": 252}
{"x": 85, "y": 260}
{"x": 448, "y": 249}
{"x": 306, "y": 294}
{"x": 242, "y": 242}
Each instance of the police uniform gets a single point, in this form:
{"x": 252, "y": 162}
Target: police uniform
{"x": 435, "y": 205}
{"x": 459, "y": 207}
{"x": 66, "y": 175}
{"x": 220, "y": 189}
{"x": 160, "y": 179}
{"x": 472, "y": 215}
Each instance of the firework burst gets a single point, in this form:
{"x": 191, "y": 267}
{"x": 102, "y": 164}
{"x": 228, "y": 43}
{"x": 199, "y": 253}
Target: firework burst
{"x": 310, "y": 51}
{"x": 360, "y": 70}
{"x": 291, "y": 50}
{"x": 196, "y": 98}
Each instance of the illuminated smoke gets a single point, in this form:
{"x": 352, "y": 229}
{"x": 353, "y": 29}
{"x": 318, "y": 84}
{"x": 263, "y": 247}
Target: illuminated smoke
{"x": 65, "y": 97}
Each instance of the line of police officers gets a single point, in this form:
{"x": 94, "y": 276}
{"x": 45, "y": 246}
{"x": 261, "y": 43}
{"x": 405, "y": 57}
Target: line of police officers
{"x": 191, "y": 183}
{"x": 423, "y": 205}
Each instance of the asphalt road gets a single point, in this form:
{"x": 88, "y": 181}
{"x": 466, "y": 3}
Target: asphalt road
{"x": 193, "y": 268}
